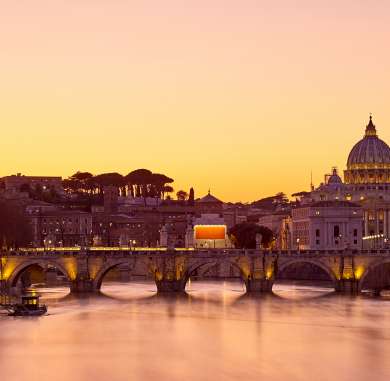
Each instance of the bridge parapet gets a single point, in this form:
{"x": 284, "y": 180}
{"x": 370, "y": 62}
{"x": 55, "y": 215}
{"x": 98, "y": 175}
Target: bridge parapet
{"x": 171, "y": 269}
{"x": 107, "y": 251}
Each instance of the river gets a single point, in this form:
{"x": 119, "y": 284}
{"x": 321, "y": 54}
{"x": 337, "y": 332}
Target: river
{"x": 215, "y": 332}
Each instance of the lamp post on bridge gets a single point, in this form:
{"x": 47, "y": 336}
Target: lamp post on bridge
{"x": 132, "y": 243}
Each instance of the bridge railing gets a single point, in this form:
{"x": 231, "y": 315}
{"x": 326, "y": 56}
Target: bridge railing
{"x": 96, "y": 251}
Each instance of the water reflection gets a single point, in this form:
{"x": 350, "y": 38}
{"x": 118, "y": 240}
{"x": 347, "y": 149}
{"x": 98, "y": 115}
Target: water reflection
{"x": 213, "y": 331}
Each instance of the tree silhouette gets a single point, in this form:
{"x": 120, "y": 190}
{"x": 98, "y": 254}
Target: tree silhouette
{"x": 243, "y": 235}
{"x": 182, "y": 195}
{"x": 79, "y": 182}
{"x": 191, "y": 197}
{"x": 272, "y": 202}
{"x": 109, "y": 179}
{"x": 139, "y": 180}
{"x": 167, "y": 189}
{"x": 138, "y": 183}
{"x": 158, "y": 182}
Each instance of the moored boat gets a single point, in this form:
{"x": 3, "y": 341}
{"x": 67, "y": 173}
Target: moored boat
{"x": 29, "y": 307}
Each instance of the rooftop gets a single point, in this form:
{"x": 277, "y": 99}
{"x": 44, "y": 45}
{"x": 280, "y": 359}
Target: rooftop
{"x": 209, "y": 198}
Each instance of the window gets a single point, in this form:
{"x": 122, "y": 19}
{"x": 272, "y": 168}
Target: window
{"x": 317, "y": 241}
{"x": 355, "y": 241}
{"x": 317, "y": 232}
{"x": 355, "y": 232}
{"x": 336, "y": 231}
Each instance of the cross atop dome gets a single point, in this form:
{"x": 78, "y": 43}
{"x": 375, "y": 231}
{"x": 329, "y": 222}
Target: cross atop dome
{"x": 370, "y": 128}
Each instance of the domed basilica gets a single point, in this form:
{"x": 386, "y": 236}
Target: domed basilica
{"x": 367, "y": 183}
{"x": 369, "y": 160}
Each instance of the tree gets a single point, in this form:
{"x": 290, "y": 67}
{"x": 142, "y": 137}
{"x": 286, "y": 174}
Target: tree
{"x": 272, "y": 202}
{"x": 109, "y": 179}
{"x": 82, "y": 176}
{"x": 139, "y": 180}
{"x": 191, "y": 197}
{"x": 158, "y": 183}
{"x": 79, "y": 182}
{"x": 243, "y": 235}
{"x": 168, "y": 189}
{"x": 281, "y": 198}
{"x": 182, "y": 195}
{"x": 144, "y": 183}
{"x": 15, "y": 228}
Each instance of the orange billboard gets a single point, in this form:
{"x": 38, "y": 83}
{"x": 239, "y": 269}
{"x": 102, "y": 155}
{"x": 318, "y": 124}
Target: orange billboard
{"x": 210, "y": 231}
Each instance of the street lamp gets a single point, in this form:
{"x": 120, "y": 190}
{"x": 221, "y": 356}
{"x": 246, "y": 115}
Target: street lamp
{"x": 132, "y": 244}
{"x": 298, "y": 243}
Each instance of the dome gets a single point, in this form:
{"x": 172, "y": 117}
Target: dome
{"x": 370, "y": 152}
{"x": 334, "y": 178}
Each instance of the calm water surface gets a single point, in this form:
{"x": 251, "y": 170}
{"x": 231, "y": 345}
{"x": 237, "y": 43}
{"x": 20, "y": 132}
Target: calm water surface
{"x": 213, "y": 333}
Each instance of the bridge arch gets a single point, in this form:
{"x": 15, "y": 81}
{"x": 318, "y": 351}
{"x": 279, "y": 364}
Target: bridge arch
{"x": 317, "y": 263}
{"x": 17, "y": 272}
{"x": 99, "y": 277}
{"x": 380, "y": 282}
{"x": 209, "y": 263}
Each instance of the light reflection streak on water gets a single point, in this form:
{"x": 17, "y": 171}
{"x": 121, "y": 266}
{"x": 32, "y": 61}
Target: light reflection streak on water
{"x": 214, "y": 332}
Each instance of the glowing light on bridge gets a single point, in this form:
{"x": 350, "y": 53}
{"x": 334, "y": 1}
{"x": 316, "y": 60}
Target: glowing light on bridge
{"x": 359, "y": 272}
{"x": 7, "y": 266}
{"x": 268, "y": 274}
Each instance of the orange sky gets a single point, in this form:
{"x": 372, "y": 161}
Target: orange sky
{"x": 245, "y": 97}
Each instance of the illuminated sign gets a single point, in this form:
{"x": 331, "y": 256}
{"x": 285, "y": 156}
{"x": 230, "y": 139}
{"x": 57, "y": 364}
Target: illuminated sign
{"x": 210, "y": 231}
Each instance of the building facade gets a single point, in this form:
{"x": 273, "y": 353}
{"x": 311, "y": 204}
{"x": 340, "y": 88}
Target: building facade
{"x": 16, "y": 182}
{"x": 327, "y": 225}
{"x": 61, "y": 228}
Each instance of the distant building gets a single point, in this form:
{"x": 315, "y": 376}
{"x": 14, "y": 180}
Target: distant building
{"x": 173, "y": 234}
{"x": 210, "y": 231}
{"x": 122, "y": 230}
{"x": 367, "y": 182}
{"x": 233, "y": 215}
{"x": 201, "y": 226}
{"x": 61, "y": 227}
{"x": 280, "y": 224}
{"x": 327, "y": 225}
{"x": 15, "y": 182}
{"x": 208, "y": 204}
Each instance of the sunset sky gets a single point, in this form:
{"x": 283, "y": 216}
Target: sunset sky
{"x": 243, "y": 97}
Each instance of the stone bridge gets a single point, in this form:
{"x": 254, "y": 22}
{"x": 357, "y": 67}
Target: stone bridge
{"x": 85, "y": 268}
